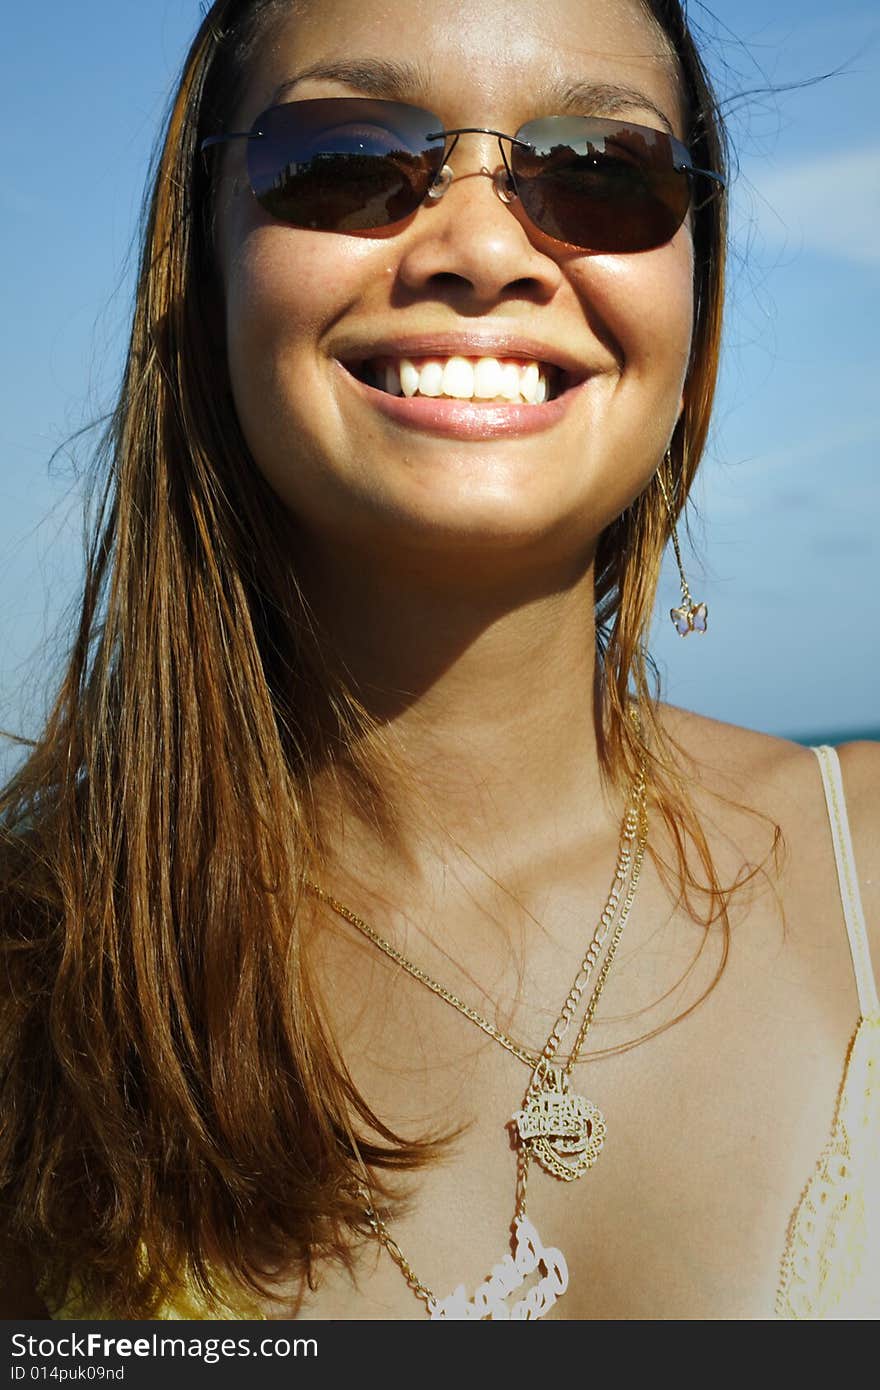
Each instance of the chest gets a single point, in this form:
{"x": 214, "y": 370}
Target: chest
{"x": 685, "y": 1214}
{"x": 714, "y": 1127}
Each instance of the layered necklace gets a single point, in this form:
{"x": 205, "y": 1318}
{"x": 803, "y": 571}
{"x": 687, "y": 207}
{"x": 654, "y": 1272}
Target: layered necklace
{"x": 562, "y": 1131}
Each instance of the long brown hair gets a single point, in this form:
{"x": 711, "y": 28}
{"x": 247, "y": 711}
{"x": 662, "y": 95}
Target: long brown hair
{"x": 168, "y": 1085}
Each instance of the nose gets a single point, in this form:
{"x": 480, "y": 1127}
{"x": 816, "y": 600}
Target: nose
{"x": 468, "y": 243}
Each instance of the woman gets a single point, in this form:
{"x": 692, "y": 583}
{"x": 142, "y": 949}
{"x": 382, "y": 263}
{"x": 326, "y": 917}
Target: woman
{"x": 319, "y": 1004}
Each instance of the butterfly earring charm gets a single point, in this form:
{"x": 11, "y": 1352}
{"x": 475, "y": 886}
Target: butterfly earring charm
{"x": 690, "y": 617}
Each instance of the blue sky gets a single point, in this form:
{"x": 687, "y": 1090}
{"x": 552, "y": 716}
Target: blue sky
{"x": 789, "y": 500}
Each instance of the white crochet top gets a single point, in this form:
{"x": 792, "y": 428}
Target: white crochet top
{"x": 831, "y": 1265}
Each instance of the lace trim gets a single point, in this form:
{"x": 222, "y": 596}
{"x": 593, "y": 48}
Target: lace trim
{"x": 831, "y": 1264}
{"x": 834, "y": 1233}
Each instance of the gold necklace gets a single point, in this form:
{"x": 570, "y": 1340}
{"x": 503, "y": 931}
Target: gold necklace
{"x": 562, "y": 1130}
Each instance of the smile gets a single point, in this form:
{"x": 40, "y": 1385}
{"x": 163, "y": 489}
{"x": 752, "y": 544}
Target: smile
{"x": 465, "y": 397}
{"x": 463, "y": 378}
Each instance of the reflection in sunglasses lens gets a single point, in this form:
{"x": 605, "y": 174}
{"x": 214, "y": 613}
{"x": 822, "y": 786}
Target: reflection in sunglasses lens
{"x": 355, "y": 164}
{"x": 601, "y": 185}
{"x": 343, "y": 165}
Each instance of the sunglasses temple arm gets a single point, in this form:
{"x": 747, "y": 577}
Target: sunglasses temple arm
{"x": 706, "y": 174}
{"x": 210, "y": 140}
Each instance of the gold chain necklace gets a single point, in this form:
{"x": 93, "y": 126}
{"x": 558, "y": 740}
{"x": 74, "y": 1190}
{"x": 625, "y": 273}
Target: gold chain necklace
{"x": 562, "y": 1130}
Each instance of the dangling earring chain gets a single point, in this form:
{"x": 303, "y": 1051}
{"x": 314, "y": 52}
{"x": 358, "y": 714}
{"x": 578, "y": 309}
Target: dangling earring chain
{"x": 690, "y": 617}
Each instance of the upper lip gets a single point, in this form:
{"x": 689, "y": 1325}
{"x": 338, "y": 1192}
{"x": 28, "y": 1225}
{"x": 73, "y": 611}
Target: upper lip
{"x": 468, "y": 343}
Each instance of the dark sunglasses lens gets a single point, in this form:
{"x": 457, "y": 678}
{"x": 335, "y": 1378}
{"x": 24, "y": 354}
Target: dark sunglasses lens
{"x": 343, "y": 164}
{"x": 601, "y": 185}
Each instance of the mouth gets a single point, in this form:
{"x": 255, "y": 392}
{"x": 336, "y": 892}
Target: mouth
{"x": 489, "y": 381}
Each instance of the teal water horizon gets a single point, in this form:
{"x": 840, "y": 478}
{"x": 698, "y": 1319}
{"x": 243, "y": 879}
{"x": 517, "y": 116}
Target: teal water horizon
{"x": 839, "y": 736}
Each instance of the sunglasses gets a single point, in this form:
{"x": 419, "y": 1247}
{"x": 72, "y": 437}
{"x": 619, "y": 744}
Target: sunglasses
{"x": 353, "y": 164}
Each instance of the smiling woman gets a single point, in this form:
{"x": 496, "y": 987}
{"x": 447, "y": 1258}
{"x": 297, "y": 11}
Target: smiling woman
{"x": 299, "y": 885}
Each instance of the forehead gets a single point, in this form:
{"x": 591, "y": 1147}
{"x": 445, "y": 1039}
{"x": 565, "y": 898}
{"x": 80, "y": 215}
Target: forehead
{"x": 472, "y": 61}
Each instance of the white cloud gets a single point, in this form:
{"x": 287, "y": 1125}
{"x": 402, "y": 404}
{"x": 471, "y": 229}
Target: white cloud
{"x": 829, "y": 203}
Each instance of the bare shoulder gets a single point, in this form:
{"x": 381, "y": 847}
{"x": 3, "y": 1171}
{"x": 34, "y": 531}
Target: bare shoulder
{"x": 772, "y": 776}
{"x": 737, "y": 772}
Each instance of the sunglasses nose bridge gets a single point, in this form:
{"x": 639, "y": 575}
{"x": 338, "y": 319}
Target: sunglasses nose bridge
{"x": 502, "y": 177}
{"x": 504, "y": 185}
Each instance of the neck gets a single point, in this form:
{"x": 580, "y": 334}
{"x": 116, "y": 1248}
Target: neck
{"x": 483, "y": 694}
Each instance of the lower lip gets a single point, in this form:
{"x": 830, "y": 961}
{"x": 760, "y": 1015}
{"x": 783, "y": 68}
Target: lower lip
{"x": 456, "y": 419}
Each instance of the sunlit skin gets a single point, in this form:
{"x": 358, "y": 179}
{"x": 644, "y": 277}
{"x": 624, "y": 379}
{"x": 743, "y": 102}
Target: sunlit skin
{"x": 297, "y": 300}
{"x": 455, "y": 579}
{"x": 438, "y": 561}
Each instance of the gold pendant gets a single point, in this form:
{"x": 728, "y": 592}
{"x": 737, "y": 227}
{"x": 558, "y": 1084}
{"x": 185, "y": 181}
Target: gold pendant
{"x": 490, "y": 1301}
{"x": 562, "y": 1130}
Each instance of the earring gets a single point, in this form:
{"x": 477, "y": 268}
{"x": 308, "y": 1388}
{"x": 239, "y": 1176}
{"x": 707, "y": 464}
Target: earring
{"x": 690, "y": 617}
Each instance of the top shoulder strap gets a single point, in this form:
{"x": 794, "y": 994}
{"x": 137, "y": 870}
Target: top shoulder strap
{"x": 853, "y": 913}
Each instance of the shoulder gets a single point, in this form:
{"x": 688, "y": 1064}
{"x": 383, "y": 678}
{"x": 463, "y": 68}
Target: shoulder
{"x": 772, "y": 776}
{"x": 732, "y": 767}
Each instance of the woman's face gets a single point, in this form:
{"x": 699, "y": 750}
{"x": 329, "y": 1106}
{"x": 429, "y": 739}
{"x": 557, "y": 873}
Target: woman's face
{"x": 467, "y": 275}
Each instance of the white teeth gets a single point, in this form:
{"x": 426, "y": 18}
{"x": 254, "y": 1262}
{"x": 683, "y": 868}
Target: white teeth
{"x": 487, "y": 378}
{"x": 409, "y": 378}
{"x": 458, "y": 379}
{"x": 483, "y": 378}
{"x": 431, "y": 379}
{"x": 528, "y": 382}
{"x": 510, "y": 375}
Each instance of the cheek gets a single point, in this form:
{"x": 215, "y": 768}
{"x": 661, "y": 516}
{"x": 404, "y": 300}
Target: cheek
{"x": 285, "y": 289}
{"x": 642, "y": 306}
{"x": 278, "y": 295}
